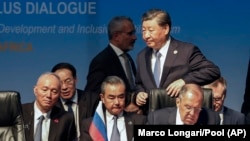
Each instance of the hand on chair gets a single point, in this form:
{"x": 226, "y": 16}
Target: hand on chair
{"x": 141, "y": 98}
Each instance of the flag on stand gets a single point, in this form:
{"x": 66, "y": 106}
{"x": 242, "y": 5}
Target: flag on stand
{"x": 97, "y": 128}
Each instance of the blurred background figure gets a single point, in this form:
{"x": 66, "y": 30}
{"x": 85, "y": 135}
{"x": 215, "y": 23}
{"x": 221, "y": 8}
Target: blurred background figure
{"x": 228, "y": 116}
{"x": 81, "y": 104}
{"x": 115, "y": 60}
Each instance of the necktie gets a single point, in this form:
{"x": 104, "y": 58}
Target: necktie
{"x": 69, "y": 104}
{"x": 157, "y": 68}
{"x": 115, "y": 136}
{"x": 38, "y": 134}
{"x": 221, "y": 118}
{"x": 128, "y": 70}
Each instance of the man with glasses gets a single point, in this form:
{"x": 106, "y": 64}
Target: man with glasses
{"x": 227, "y": 115}
{"x": 114, "y": 59}
{"x": 81, "y": 104}
{"x": 188, "y": 110}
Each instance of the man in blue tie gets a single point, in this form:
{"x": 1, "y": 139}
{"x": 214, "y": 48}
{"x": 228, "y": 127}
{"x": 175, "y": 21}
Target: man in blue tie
{"x": 179, "y": 63}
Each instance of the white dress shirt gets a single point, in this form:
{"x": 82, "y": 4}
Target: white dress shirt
{"x": 46, "y": 122}
{"x": 120, "y": 125}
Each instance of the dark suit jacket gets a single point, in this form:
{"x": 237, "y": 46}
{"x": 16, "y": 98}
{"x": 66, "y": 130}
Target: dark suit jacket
{"x": 245, "y": 108}
{"x": 62, "y": 125}
{"x": 183, "y": 61}
{"x": 87, "y": 103}
{"x": 232, "y": 117}
{"x": 131, "y": 119}
{"x": 167, "y": 116}
{"x": 104, "y": 64}
{"x": 248, "y": 118}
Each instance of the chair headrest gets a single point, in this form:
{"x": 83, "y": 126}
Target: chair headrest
{"x": 10, "y": 107}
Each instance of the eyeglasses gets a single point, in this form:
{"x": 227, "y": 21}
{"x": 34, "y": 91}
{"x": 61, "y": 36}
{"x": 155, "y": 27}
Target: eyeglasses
{"x": 217, "y": 99}
{"x": 190, "y": 108}
{"x": 68, "y": 82}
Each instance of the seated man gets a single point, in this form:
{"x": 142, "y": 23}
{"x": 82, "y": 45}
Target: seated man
{"x": 227, "y": 115}
{"x": 188, "y": 111}
{"x": 112, "y": 105}
{"x": 82, "y": 103}
{"x": 42, "y": 119}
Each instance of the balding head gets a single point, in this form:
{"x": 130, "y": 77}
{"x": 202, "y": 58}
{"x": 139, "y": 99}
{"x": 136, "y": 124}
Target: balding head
{"x": 189, "y": 103}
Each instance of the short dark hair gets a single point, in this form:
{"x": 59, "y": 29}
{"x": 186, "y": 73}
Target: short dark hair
{"x": 162, "y": 17}
{"x": 64, "y": 65}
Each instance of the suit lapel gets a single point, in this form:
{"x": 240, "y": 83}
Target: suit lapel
{"x": 129, "y": 126}
{"x": 132, "y": 64}
{"x": 54, "y": 123}
{"x": 82, "y": 104}
{"x": 226, "y": 116}
{"x": 170, "y": 58}
{"x": 30, "y": 124}
{"x": 148, "y": 56}
{"x": 172, "y": 115}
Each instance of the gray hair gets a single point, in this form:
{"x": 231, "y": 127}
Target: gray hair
{"x": 111, "y": 80}
{"x": 116, "y": 24}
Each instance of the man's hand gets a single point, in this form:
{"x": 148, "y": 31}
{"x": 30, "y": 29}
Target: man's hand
{"x": 141, "y": 98}
{"x": 174, "y": 88}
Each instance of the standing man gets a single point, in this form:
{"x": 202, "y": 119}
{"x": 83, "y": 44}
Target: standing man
{"x": 112, "y": 60}
{"x": 188, "y": 110}
{"x": 113, "y": 96}
{"x": 168, "y": 63}
{"x": 245, "y": 108}
{"x": 83, "y": 104}
{"x": 228, "y": 116}
{"x": 56, "y": 124}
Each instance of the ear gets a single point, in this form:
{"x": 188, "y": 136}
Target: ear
{"x": 178, "y": 101}
{"x": 166, "y": 29}
{"x": 102, "y": 97}
{"x": 35, "y": 90}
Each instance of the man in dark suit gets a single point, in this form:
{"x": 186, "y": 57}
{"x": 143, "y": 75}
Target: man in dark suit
{"x": 245, "y": 108}
{"x": 168, "y": 63}
{"x": 83, "y": 103}
{"x": 188, "y": 110}
{"x": 112, "y": 105}
{"x": 110, "y": 61}
{"x": 228, "y": 116}
{"x": 57, "y": 125}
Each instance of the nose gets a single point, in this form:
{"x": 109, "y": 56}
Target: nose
{"x": 146, "y": 34}
{"x": 64, "y": 86}
{"x": 116, "y": 101}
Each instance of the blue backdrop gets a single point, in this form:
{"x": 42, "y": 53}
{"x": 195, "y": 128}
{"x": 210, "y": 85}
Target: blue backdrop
{"x": 34, "y": 36}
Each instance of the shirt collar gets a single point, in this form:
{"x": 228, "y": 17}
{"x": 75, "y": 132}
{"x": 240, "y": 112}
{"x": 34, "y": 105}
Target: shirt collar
{"x": 38, "y": 112}
{"x": 178, "y": 118}
{"x": 74, "y": 99}
{"x": 117, "y": 50}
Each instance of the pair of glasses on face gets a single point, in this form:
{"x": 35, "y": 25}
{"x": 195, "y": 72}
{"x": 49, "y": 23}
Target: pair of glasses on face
{"x": 68, "y": 82}
{"x": 217, "y": 99}
{"x": 190, "y": 108}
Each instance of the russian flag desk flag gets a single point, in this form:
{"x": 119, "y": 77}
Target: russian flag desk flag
{"x": 97, "y": 128}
